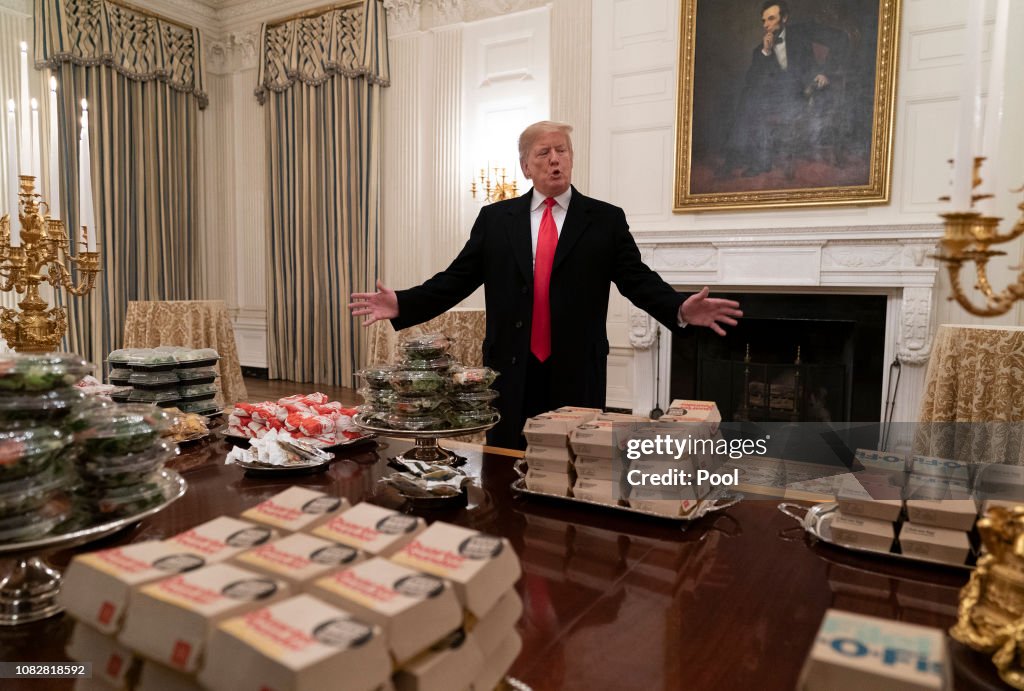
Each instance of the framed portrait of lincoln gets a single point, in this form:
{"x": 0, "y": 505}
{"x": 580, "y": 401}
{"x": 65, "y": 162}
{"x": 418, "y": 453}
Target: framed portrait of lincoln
{"x": 785, "y": 103}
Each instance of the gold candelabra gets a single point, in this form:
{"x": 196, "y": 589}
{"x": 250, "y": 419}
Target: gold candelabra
{"x": 43, "y": 255}
{"x": 496, "y": 189}
{"x": 968, "y": 237}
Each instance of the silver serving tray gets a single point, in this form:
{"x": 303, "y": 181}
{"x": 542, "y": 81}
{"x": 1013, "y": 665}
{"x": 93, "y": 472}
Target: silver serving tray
{"x": 723, "y": 501}
{"x": 817, "y": 522}
{"x": 174, "y": 487}
{"x": 360, "y": 421}
{"x": 330, "y": 448}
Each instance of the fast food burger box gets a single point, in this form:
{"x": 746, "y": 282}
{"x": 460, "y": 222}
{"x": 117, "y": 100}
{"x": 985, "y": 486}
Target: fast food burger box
{"x": 453, "y": 663}
{"x": 97, "y": 585}
{"x": 955, "y": 514}
{"x": 598, "y": 438}
{"x": 692, "y": 412}
{"x": 886, "y": 463}
{"x": 481, "y": 567}
{"x": 222, "y": 538}
{"x": 547, "y": 465}
{"x": 552, "y": 429}
{"x": 297, "y": 644}
{"x": 855, "y": 500}
{"x": 297, "y": 508}
{"x": 111, "y": 661}
{"x": 594, "y": 468}
{"x": 935, "y": 544}
{"x": 852, "y": 652}
{"x": 559, "y": 453}
{"x": 371, "y": 528}
{"x": 590, "y": 413}
{"x": 549, "y": 482}
{"x": 933, "y": 487}
{"x": 498, "y": 662}
{"x": 862, "y": 532}
{"x": 598, "y": 491}
{"x": 622, "y": 417}
{"x": 492, "y": 628}
{"x": 414, "y": 609}
{"x": 299, "y": 558}
{"x": 169, "y": 621}
{"x": 157, "y": 677}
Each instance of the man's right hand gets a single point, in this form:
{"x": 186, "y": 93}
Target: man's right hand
{"x": 380, "y": 305}
{"x": 768, "y": 43}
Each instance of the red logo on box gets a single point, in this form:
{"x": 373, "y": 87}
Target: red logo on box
{"x": 107, "y": 610}
{"x": 114, "y": 665}
{"x": 182, "y": 650}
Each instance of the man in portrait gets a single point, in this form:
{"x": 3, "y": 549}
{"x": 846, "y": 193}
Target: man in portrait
{"x": 788, "y": 97}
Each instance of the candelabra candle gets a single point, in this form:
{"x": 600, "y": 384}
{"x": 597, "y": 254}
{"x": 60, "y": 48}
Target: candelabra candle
{"x": 54, "y": 170}
{"x": 12, "y": 175}
{"x": 26, "y": 132}
{"x": 87, "y": 216}
{"x": 36, "y": 168}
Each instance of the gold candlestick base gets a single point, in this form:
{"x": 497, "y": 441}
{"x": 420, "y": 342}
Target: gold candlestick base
{"x": 43, "y": 255}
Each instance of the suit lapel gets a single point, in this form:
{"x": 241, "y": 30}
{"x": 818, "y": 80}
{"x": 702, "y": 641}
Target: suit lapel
{"x": 577, "y": 219}
{"x": 517, "y": 228}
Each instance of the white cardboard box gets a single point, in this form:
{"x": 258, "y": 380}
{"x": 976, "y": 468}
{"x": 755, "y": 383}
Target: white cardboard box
{"x": 157, "y": 677}
{"x": 188, "y": 607}
{"x": 862, "y": 532}
{"x": 935, "y": 544}
{"x": 372, "y": 529}
{"x": 298, "y": 644}
{"x": 493, "y": 627}
{"x": 549, "y": 482}
{"x": 452, "y": 664}
{"x": 111, "y": 662}
{"x": 299, "y": 558}
{"x": 296, "y": 508}
{"x": 558, "y": 453}
{"x": 855, "y": 500}
{"x": 552, "y": 429}
{"x": 600, "y": 491}
{"x": 222, "y": 538}
{"x": 955, "y": 514}
{"x": 853, "y": 652}
{"x": 482, "y": 567}
{"x": 414, "y": 609}
{"x": 497, "y": 664}
{"x": 97, "y": 585}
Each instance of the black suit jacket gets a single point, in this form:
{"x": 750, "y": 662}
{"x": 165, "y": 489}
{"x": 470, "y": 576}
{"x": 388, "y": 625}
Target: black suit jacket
{"x": 595, "y": 249}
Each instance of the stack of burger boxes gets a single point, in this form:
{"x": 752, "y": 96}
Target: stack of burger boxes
{"x": 320, "y": 607}
{"x": 695, "y": 424}
{"x": 548, "y": 454}
{"x": 600, "y": 461}
{"x": 101, "y": 588}
{"x": 870, "y": 501}
{"x": 998, "y": 484}
{"x": 941, "y": 510}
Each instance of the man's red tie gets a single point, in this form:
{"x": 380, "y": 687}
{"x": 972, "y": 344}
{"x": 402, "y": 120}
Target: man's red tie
{"x": 547, "y": 239}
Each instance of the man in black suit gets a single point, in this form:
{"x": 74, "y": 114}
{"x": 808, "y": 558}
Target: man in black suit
{"x": 787, "y": 90}
{"x": 551, "y": 243}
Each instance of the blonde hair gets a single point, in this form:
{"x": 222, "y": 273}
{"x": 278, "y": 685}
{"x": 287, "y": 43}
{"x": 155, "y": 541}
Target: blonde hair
{"x": 535, "y": 130}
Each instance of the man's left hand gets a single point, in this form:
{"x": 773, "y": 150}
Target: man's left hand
{"x": 821, "y": 81}
{"x": 700, "y": 310}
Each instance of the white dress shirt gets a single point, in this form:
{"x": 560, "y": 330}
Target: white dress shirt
{"x": 558, "y": 212}
{"x": 779, "y": 49}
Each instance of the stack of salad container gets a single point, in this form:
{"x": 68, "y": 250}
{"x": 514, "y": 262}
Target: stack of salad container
{"x": 167, "y": 376}
{"x": 428, "y": 389}
{"x": 119, "y": 455}
{"x": 36, "y": 394}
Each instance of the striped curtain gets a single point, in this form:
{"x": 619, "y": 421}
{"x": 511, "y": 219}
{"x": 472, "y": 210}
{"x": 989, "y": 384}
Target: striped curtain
{"x": 142, "y": 77}
{"x": 320, "y": 80}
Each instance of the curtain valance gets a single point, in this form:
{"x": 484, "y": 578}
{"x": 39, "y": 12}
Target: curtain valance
{"x": 139, "y": 46}
{"x": 350, "y": 41}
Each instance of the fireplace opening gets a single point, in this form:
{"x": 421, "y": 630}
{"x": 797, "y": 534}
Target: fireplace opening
{"x": 793, "y": 357}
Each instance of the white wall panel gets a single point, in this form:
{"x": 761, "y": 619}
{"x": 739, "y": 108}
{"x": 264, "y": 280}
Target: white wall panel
{"x": 638, "y": 155}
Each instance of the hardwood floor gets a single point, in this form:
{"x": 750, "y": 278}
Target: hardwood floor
{"x": 273, "y": 389}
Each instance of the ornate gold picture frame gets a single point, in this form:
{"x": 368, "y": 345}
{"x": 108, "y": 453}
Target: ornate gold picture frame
{"x": 785, "y": 103}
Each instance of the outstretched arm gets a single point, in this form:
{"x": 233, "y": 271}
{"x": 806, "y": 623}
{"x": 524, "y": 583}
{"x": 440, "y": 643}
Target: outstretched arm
{"x": 700, "y": 310}
{"x": 382, "y": 304}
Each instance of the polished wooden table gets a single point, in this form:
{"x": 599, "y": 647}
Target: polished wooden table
{"x": 611, "y": 601}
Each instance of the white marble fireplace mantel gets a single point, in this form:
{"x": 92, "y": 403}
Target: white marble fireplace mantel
{"x": 888, "y": 260}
